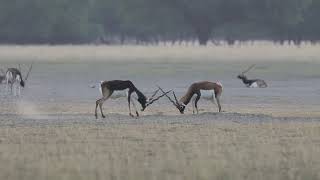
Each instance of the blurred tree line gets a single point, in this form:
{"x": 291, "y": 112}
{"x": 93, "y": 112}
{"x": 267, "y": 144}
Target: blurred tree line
{"x": 154, "y": 21}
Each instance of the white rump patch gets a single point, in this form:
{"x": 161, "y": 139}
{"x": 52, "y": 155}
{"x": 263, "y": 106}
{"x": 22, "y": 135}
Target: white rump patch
{"x": 254, "y": 85}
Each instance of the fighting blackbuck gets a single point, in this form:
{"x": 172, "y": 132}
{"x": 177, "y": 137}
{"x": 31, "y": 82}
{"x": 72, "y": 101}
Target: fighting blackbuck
{"x": 195, "y": 89}
{"x": 14, "y": 76}
{"x": 108, "y": 87}
{"x": 252, "y": 83}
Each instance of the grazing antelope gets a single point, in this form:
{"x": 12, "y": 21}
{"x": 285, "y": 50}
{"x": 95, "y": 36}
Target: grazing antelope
{"x": 108, "y": 87}
{"x": 252, "y": 83}
{"x": 195, "y": 89}
{"x": 13, "y": 76}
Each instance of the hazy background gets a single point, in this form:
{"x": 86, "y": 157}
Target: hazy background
{"x": 158, "y": 21}
{"x": 50, "y": 131}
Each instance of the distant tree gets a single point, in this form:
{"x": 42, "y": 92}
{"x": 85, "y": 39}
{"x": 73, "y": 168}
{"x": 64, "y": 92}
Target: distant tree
{"x": 152, "y": 21}
{"x": 205, "y": 15}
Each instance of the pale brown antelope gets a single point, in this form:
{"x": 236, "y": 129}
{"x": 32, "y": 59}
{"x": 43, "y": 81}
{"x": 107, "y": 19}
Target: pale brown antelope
{"x": 252, "y": 83}
{"x": 14, "y": 76}
{"x": 108, "y": 87}
{"x": 195, "y": 89}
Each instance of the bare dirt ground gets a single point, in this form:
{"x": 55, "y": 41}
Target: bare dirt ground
{"x": 50, "y": 131}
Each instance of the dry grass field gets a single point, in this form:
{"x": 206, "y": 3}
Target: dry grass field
{"x": 218, "y": 150}
{"x": 50, "y": 131}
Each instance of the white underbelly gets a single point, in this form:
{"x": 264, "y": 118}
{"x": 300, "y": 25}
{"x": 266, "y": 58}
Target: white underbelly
{"x": 254, "y": 85}
{"x": 205, "y": 94}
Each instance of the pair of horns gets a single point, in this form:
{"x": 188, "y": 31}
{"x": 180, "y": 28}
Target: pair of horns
{"x": 175, "y": 97}
{"x": 152, "y": 99}
{"x": 30, "y": 68}
{"x": 250, "y": 67}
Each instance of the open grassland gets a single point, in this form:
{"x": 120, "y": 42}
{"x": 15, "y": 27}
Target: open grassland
{"x": 50, "y": 131}
{"x": 215, "y": 150}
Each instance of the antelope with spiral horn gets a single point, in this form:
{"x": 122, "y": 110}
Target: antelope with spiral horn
{"x": 252, "y": 83}
{"x": 108, "y": 87}
{"x": 195, "y": 89}
{"x": 14, "y": 77}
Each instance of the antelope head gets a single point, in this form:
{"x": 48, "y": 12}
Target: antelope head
{"x": 181, "y": 107}
{"x": 242, "y": 75}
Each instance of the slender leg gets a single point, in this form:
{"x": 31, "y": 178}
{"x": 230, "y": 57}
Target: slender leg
{"x": 99, "y": 102}
{"x": 218, "y": 101}
{"x": 100, "y": 105}
{"x": 95, "y": 111}
{"x": 12, "y": 92}
{"x": 19, "y": 90}
{"x": 193, "y": 104}
{"x": 196, "y": 101}
{"x": 134, "y": 105}
{"x": 212, "y": 97}
{"x": 129, "y": 101}
{"x": 135, "y": 108}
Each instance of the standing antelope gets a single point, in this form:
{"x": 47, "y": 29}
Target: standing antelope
{"x": 195, "y": 89}
{"x": 108, "y": 87}
{"x": 252, "y": 83}
{"x": 14, "y": 76}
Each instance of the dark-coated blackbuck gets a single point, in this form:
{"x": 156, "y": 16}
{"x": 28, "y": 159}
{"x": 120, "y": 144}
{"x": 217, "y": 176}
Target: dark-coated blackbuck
{"x": 252, "y": 83}
{"x": 14, "y": 78}
{"x": 108, "y": 87}
{"x": 195, "y": 89}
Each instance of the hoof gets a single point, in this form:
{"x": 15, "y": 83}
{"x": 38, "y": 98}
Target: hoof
{"x": 137, "y": 114}
{"x": 131, "y": 115}
{"x": 103, "y": 116}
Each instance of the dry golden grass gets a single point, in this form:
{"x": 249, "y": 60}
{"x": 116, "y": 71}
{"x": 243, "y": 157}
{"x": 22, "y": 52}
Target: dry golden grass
{"x": 218, "y": 150}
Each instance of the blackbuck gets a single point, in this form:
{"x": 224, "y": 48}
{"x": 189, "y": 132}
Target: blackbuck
{"x": 195, "y": 89}
{"x": 14, "y": 78}
{"x": 252, "y": 83}
{"x": 108, "y": 87}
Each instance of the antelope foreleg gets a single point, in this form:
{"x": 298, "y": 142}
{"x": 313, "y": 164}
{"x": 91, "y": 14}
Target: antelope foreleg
{"x": 135, "y": 108}
{"x": 100, "y": 102}
{"x": 193, "y": 104}
{"x": 196, "y": 102}
{"x": 129, "y": 103}
{"x": 95, "y": 111}
{"x": 218, "y": 102}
